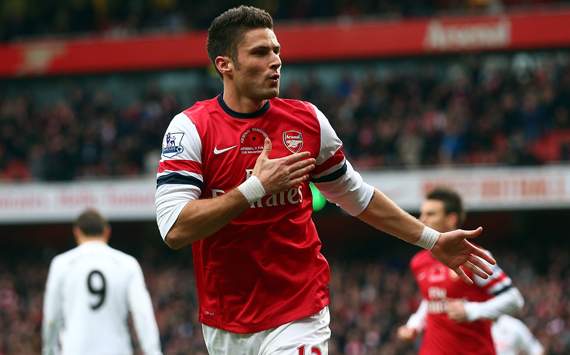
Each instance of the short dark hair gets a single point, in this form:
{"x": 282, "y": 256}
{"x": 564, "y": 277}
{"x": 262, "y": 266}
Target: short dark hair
{"x": 227, "y": 30}
{"x": 452, "y": 202}
{"x": 91, "y": 223}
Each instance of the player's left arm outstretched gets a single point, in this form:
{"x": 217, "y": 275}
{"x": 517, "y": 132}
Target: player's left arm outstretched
{"x": 341, "y": 184}
{"x": 452, "y": 248}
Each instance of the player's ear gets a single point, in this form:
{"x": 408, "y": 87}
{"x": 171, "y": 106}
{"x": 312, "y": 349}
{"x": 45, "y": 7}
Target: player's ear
{"x": 224, "y": 64}
{"x": 453, "y": 220}
{"x": 107, "y": 232}
{"x": 77, "y": 235}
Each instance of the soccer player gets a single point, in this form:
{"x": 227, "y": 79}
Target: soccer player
{"x": 233, "y": 182}
{"x": 90, "y": 291}
{"x": 512, "y": 337}
{"x": 455, "y": 316}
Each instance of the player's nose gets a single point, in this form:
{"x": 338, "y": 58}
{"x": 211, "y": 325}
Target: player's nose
{"x": 275, "y": 61}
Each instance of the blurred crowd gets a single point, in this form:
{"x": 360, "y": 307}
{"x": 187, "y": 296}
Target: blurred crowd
{"x": 84, "y": 135}
{"x": 429, "y": 116}
{"x": 469, "y": 115}
{"x": 21, "y": 19}
{"x": 370, "y": 299}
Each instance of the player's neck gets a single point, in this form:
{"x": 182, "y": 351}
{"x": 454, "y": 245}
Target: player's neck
{"x": 83, "y": 240}
{"x": 242, "y": 104}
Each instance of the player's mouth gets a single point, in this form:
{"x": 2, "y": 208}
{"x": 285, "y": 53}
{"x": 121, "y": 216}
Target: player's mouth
{"x": 274, "y": 78}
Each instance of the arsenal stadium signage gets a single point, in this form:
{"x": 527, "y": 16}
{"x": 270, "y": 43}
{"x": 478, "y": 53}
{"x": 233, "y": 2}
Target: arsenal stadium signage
{"x": 483, "y": 189}
{"x": 462, "y": 36}
{"x": 309, "y": 42}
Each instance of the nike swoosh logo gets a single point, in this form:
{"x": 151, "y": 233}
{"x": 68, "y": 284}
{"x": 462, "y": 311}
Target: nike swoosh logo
{"x": 220, "y": 151}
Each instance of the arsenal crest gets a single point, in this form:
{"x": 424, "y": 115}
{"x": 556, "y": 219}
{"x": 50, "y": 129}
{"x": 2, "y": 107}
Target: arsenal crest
{"x": 293, "y": 140}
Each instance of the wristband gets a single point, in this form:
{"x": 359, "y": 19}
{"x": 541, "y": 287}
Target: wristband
{"x": 428, "y": 238}
{"x": 252, "y": 189}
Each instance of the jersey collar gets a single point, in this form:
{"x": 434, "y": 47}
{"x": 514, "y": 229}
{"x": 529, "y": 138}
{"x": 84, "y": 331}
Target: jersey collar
{"x": 236, "y": 114}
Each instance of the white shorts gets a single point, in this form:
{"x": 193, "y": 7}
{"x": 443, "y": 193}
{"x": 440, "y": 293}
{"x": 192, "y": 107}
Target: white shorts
{"x": 308, "y": 336}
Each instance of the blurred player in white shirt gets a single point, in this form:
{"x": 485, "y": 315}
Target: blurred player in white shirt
{"x": 90, "y": 291}
{"x": 512, "y": 337}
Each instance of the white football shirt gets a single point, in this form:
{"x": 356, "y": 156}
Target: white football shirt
{"x": 89, "y": 293}
{"x": 512, "y": 337}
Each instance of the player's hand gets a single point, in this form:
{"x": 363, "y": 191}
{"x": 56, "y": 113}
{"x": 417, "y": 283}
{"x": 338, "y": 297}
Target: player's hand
{"x": 281, "y": 174}
{"x": 454, "y": 250}
{"x": 407, "y": 333}
{"x": 456, "y": 310}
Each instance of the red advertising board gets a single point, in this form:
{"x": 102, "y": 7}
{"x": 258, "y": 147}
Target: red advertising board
{"x": 300, "y": 43}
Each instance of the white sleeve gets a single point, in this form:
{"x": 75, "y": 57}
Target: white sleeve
{"x": 507, "y": 302}
{"x": 179, "y": 177}
{"x": 334, "y": 175}
{"x": 140, "y": 306}
{"x": 52, "y": 310}
{"x": 417, "y": 320}
{"x": 348, "y": 191}
{"x": 170, "y": 200}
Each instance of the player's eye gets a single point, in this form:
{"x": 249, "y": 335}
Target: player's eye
{"x": 260, "y": 51}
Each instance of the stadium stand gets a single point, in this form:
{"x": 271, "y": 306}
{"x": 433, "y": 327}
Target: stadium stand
{"x": 27, "y": 19}
{"x": 467, "y": 114}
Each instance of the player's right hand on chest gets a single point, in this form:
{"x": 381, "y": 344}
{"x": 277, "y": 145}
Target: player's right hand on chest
{"x": 281, "y": 174}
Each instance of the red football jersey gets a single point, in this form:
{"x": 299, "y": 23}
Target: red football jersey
{"x": 437, "y": 284}
{"x": 264, "y": 268}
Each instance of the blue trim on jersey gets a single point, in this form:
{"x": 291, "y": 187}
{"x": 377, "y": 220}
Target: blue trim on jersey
{"x": 175, "y": 178}
{"x": 332, "y": 176}
{"x": 236, "y": 114}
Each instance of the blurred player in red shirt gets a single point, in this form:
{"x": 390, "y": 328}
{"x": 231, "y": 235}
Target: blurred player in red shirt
{"x": 455, "y": 316}
{"x": 233, "y": 182}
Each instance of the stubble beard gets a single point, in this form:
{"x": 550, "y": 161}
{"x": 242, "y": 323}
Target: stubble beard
{"x": 266, "y": 93}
